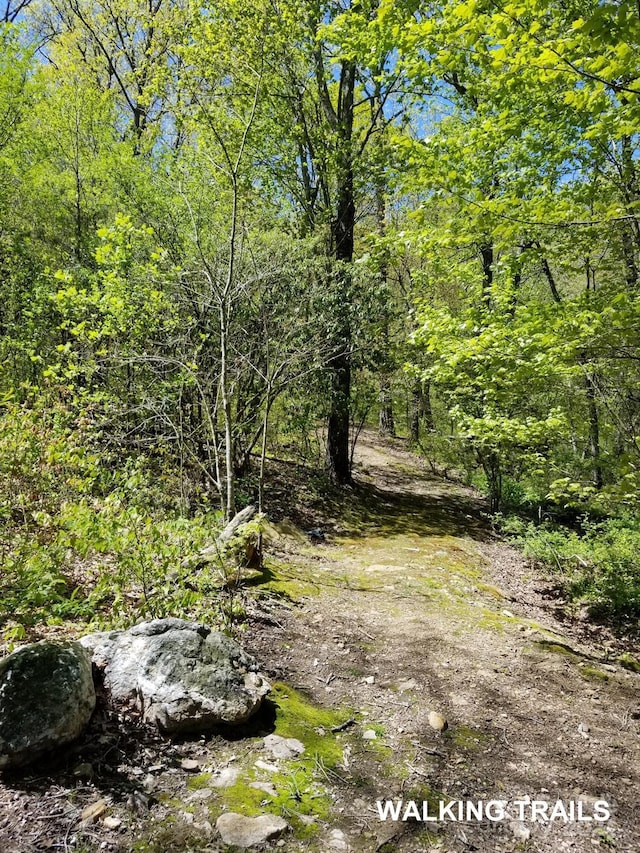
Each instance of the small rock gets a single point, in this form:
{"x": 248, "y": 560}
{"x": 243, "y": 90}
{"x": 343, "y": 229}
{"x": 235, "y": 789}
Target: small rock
{"x": 263, "y": 765}
{"x": 280, "y": 747}
{"x": 138, "y": 802}
{"x": 112, "y": 822}
{"x": 337, "y": 840}
{"x": 236, "y": 829}
{"x": 225, "y": 778}
{"x": 410, "y": 684}
{"x": 370, "y": 679}
{"x": 201, "y": 794}
{"x": 149, "y": 782}
{"x": 369, "y": 734}
{"x": 190, "y": 765}
{"x": 92, "y": 812}
{"x": 437, "y": 721}
{"x": 520, "y": 831}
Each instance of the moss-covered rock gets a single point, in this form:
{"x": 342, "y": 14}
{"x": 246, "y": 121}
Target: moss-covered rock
{"x": 46, "y": 700}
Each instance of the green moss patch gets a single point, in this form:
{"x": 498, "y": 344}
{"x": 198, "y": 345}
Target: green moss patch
{"x": 300, "y": 783}
{"x": 288, "y": 581}
{"x": 556, "y": 648}
{"x": 467, "y": 737}
{"x": 195, "y": 783}
{"x": 298, "y": 717}
{"x": 592, "y": 673}
{"x": 628, "y": 661}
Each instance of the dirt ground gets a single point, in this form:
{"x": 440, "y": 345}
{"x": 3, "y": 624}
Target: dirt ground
{"x": 446, "y": 670}
{"x": 419, "y": 607}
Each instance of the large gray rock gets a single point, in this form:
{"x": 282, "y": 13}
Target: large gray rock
{"x": 243, "y": 832}
{"x": 181, "y": 676}
{"x": 46, "y": 700}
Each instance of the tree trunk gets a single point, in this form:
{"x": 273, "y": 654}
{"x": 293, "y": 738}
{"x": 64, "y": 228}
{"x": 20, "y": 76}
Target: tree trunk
{"x": 594, "y": 431}
{"x": 486, "y": 255}
{"x": 387, "y": 424}
{"x": 342, "y": 231}
{"x": 415, "y": 412}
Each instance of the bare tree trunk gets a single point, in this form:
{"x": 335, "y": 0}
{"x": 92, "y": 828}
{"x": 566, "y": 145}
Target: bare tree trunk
{"x": 486, "y": 255}
{"x": 342, "y": 233}
{"x": 386, "y": 424}
{"x": 415, "y": 412}
{"x": 594, "y": 430}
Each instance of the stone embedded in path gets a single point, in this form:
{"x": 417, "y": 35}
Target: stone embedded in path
{"x": 225, "y": 778}
{"x": 280, "y": 747}
{"x": 46, "y": 700}
{"x": 243, "y": 832}
{"x": 180, "y": 675}
{"x": 437, "y": 721}
{"x": 337, "y": 841}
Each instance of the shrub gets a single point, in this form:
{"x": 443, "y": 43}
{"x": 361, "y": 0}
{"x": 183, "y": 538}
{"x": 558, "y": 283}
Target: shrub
{"x": 598, "y": 565}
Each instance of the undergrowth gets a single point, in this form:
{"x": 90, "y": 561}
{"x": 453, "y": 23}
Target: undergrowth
{"x": 597, "y": 565}
{"x": 92, "y": 539}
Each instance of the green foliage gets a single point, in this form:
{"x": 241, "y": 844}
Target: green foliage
{"x": 598, "y": 566}
{"x": 85, "y": 543}
{"x": 223, "y": 222}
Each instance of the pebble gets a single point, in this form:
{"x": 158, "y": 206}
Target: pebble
{"x": 337, "y": 840}
{"x": 225, "y": 778}
{"x": 263, "y": 765}
{"x": 241, "y": 831}
{"x": 369, "y": 734}
{"x": 437, "y": 721}
{"x": 519, "y": 830}
{"x": 280, "y": 747}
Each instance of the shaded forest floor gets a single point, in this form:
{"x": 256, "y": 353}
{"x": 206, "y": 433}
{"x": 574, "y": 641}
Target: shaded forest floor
{"x": 408, "y": 605}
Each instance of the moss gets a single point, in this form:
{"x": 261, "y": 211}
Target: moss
{"x": 171, "y": 833}
{"x": 592, "y": 673}
{"x": 489, "y": 619}
{"x": 194, "y": 783}
{"x": 629, "y": 662}
{"x": 301, "y": 797}
{"x": 298, "y": 717}
{"x": 556, "y": 648}
{"x": 466, "y": 737}
{"x": 288, "y": 581}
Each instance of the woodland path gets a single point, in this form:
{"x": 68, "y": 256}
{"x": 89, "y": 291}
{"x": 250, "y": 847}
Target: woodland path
{"x": 414, "y": 605}
{"x": 410, "y": 605}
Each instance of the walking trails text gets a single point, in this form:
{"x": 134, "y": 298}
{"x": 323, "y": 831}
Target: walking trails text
{"x": 470, "y": 811}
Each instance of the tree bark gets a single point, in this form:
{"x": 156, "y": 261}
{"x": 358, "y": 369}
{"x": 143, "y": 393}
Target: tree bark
{"x": 342, "y": 233}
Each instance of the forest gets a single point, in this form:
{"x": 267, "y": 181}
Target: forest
{"x": 233, "y": 233}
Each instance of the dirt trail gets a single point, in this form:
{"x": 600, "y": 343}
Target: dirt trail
{"x": 410, "y": 605}
{"x": 417, "y": 607}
